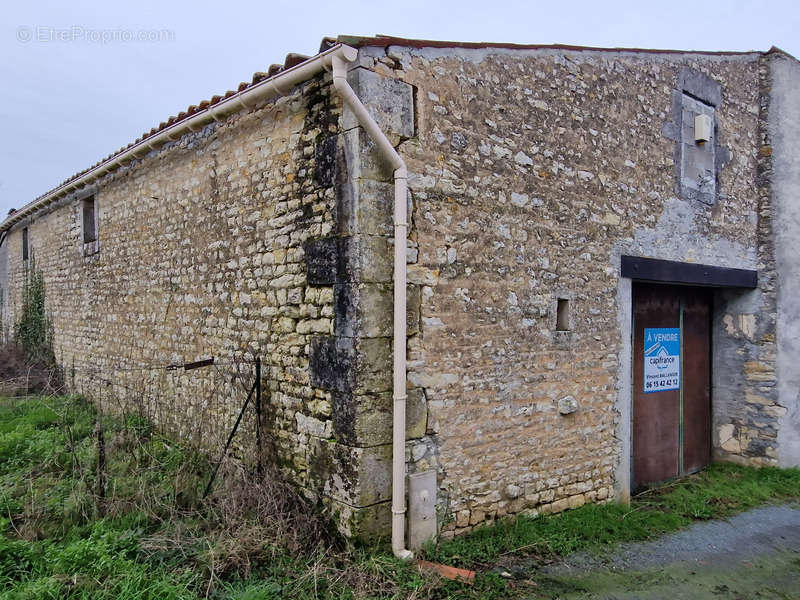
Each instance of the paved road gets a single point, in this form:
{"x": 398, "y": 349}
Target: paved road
{"x": 752, "y": 555}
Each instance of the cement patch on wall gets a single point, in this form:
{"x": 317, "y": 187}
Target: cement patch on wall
{"x": 784, "y": 132}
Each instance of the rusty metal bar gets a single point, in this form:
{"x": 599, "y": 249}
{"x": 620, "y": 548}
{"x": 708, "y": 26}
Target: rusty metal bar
{"x": 197, "y": 364}
{"x": 259, "y": 448}
{"x": 230, "y": 439}
{"x": 192, "y": 365}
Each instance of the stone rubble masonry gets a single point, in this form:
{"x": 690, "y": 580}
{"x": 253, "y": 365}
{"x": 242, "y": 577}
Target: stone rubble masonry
{"x": 530, "y": 172}
{"x": 265, "y": 235}
{"x": 4, "y": 323}
{"x": 745, "y": 409}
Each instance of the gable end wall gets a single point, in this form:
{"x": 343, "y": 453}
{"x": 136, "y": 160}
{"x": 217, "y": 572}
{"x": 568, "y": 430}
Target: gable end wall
{"x": 532, "y": 173}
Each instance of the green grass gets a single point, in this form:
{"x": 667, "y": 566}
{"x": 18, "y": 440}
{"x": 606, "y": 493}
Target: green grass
{"x": 153, "y": 537}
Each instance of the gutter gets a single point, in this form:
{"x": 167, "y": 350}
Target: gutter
{"x": 386, "y": 150}
{"x": 278, "y": 84}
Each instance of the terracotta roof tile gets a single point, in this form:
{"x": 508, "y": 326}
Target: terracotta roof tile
{"x": 294, "y": 59}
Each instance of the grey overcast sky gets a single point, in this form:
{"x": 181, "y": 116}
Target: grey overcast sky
{"x": 66, "y": 103}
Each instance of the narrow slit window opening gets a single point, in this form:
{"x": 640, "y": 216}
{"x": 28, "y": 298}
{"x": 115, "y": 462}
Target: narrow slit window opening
{"x": 25, "y": 244}
{"x": 89, "y": 221}
{"x": 562, "y": 315}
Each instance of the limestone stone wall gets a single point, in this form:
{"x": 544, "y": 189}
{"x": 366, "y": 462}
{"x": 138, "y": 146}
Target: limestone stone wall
{"x": 355, "y": 360}
{"x": 532, "y": 172}
{"x": 207, "y": 248}
{"x": 4, "y": 323}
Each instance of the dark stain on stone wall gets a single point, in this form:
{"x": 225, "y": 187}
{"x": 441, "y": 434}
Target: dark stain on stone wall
{"x": 325, "y": 160}
{"x": 332, "y": 363}
{"x": 321, "y": 261}
{"x": 345, "y": 410}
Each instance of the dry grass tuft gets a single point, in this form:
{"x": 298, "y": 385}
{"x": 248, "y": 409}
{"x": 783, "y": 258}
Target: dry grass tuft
{"x": 20, "y": 375}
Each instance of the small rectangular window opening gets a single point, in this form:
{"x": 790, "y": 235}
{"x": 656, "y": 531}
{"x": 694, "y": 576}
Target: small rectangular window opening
{"x": 89, "y": 221}
{"x": 562, "y": 315}
{"x": 25, "y": 244}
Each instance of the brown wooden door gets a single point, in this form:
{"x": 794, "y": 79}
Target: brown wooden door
{"x": 671, "y": 398}
{"x": 696, "y": 379}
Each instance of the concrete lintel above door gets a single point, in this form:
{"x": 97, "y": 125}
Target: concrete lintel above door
{"x": 668, "y": 271}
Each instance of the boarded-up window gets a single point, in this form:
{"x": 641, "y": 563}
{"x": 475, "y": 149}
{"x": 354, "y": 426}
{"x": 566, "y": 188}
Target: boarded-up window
{"x": 89, "y": 221}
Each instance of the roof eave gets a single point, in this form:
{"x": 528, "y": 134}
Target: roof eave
{"x": 220, "y": 107}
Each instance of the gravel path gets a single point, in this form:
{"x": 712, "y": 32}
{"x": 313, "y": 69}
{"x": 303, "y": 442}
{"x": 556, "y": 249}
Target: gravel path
{"x": 749, "y": 535}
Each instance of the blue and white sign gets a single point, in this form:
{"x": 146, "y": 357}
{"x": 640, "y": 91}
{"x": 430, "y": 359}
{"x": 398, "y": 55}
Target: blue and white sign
{"x": 662, "y": 359}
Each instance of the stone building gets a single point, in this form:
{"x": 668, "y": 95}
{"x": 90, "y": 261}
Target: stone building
{"x": 601, "y": 279}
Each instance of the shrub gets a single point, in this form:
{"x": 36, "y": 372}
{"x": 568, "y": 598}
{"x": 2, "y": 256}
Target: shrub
{"x": 28, "y": 363}
{"x": 34, "y": 331}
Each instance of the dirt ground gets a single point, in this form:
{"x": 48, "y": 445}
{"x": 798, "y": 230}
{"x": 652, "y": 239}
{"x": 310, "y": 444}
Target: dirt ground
{"x": 752, "y": 555}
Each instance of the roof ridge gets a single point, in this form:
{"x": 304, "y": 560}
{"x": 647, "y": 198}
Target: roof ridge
{"x": 388, "y": 40}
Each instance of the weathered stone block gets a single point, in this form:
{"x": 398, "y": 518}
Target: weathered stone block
{"x": 346, "y": 364}
{"x": 700, "y": 86}
{"x": 362, "y": 420}
{"x": 366, "y": 524}
{"x": 366, "y": 419}
{"x": 416, "y": 414}
{"x": 476, "y": 516}
{"x": 322, "y": 258}
{"x": 413, "y": 303}
{"x": 462, "y": 518}
{"x": 364, "y": 206}
{"x": 359, "y": 157}
{"x": 363, "y": 310}
{"x": 325, "y": 161}
{"x": 353, "y": 475}
{"x": 389, "y": 101}
{"x": 567, "y": 405}
{"x": 359, "y": 258}
{"x": 576, "y": 501}
{"x": 366, "y": 258}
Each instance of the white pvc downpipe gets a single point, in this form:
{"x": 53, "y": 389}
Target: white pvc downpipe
{"x": 339, "y": 63}
{"x": 278, "y": 84}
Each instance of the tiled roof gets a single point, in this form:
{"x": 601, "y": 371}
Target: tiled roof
{"x": 291, "y": 60}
